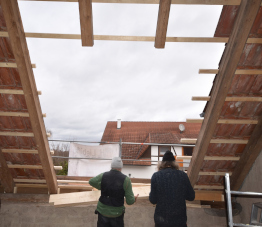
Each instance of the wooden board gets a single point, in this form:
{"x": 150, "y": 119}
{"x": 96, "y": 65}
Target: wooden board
{"x": 86, "y": 22}
{"x": 16, "y": 166}
{"x": 17, "y": 180}
{"x": 201, "y": 173}
{"x": 18, "y": 43}
{"x": 232, "y": 141}
{"x": 20, "y": 151}
{"x": 12, "y": 65}
{"x": 205, "y": 195}
{"x": 162, "y": 22}
{"x": 229, "y": 99}
{"x": 14, "y": 114}
{"x": 238, "y": 71}
{"x": 25, "y": 134}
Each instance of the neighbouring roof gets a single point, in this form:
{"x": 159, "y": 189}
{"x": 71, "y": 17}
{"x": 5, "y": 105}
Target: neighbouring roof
{"x": 146, "y": 132}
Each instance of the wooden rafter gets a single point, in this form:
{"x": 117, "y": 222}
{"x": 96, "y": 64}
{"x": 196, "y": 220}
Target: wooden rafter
{"x": 162, "y": 23}
{"x": 245, "y": 18}
{"x": 16, "y": 34}
{"x": 248, "y": 157}
{"x": 5, "y": 175}
{"x": 86, "y": 22}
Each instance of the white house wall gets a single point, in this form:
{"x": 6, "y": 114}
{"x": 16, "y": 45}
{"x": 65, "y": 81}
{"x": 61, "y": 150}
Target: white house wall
{"x": 139, "y": 171}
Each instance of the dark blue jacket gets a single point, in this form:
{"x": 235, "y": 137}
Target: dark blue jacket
{"x": 169, "y": 190}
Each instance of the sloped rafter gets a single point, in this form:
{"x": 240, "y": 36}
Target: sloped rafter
{"x": 248, "y": 157}
{"x": 162, "y": 22}
{"x": 86, "y": 22}
{"x": 246, "y": 16}
{"x": 19, "y": 46}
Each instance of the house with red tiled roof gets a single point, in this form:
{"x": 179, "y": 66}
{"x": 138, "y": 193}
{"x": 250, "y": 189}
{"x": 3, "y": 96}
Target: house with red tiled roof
{"x": 150, "y": 141}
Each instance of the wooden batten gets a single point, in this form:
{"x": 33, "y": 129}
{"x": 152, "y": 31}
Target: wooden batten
{"x": 12, "y": 65}
{"x": 18, "y": 166}
{"x": 17, "y": 180}
{"x": 14, "y": 114}
{"x": 23, "y": 134}
{"x": 226, "y": 121}
{"x": 221, "y": 158}
{"x": 213, "y": 187}
{"x": 245, "y": 18}
{"x": 232, "y": 141}
{"x": 229, "y": 99}
{"x": 213, "y": 173}
{"x": 20, "y": 151}
{"x": 31, "y": 185}
{"x": 238, "y": 71}
{"x": 162, "y": 23}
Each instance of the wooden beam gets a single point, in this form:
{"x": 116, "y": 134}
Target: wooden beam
{"x": 16, "y": 180}
{"x": 232, "y": 141}
{"x": 162, "y": 23}
{"x": 20, "y": 151}
{"x": 24, "y": 134}
{"x": 248, "y": 157}
{"x": 18, "y": 43}
{"x": 247, "y": 13}
{"x": 214, "y": 187}
{"x": 184, "y": 2}
{"x": 238, "y": 71}
{"x": 221, "y": 158}
{"x": 86, "y": 22}
{"x": 226, "y": 121}
{"x": 5, "y": 175}
{"x": 11, "y": 65}
{"x": 31, "y": 185}
{"x": 229, "y": 99}
{"x": 82, "y": 187}
{"x": 16, "y": 166}
{"x": 58, "y": 167}
{"x": 15, "y": 92}
{"x": 134, "y": 38}
{"x": 73, "y": 181}
{"x": 213, "y": 173}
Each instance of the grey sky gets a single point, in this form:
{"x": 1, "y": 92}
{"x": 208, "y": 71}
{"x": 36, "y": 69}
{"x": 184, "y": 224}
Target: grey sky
{"x": 85, "y": 87}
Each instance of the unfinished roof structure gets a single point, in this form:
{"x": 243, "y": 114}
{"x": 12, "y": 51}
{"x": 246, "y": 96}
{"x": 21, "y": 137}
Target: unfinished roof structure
{"x": 230, "y": 136}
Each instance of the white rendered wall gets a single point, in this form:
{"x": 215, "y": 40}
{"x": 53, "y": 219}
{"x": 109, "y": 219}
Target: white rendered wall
{"x": 139, "y": 171}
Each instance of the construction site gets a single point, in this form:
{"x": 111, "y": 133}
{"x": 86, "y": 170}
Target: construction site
{"x": 220, "y": 152}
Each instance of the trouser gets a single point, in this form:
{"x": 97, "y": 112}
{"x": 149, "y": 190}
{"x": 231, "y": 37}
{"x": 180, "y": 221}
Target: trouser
{"x": 157, "y": 225}
{"x": 110, "y": 222}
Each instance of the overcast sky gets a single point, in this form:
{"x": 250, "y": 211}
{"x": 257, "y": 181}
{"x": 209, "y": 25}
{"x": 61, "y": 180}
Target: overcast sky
{"x": 84, "y": 87}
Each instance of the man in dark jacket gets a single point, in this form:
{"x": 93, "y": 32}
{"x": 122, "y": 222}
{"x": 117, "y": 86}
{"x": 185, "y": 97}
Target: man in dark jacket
{"x": 170, "y": 188}
{"x": 114, "y": 186}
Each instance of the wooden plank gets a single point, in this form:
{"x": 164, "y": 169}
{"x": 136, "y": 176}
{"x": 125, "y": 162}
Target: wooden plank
{"x": 183, "y": 157}
{"x": 11, "y": 65}
{"x": 245, "y": 18}
{"x": 18, "y": 43}
{"x": 226, "y": 121}
{"x": 73, "y": 181}
{"x": 232, "y": 141}
{"x": 248, "y": 157}
{"x": 82, "y": 187}
{"x": 5, "y": 175}
{"x": 16, "y": 166}
{"x": 229, "y": 99}
{"x": 134, "y": 38}
{"x": 214, "y": 187}
{"x": 86, "y": 22}
{"x": 31, "y": 185}
{"x": 23, "y": 134}
{"x": 16, "y": 180}
{"x": 221, "y": 158}
{"x": 20, "y": 151}
{"x": 213, "y": 173}
{"x": 11, "y": 91}
{"x": 184, "y": 2}
{"x": 205, "y": 195}
{"x": 162, "y": 23}
{"x": 238, "y": 71}
{"x": 58, "y": 167}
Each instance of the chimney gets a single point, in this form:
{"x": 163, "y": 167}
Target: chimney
{"x": 118, "y": 124}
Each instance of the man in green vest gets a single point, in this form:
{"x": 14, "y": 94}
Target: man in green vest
{"x": 114, "y": 186}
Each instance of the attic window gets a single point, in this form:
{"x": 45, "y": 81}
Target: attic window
{"x": 188, "y": 151}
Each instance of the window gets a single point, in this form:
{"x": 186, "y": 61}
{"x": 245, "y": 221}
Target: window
{"x": 162, "y": 150}
{"x": 188, "y": 151}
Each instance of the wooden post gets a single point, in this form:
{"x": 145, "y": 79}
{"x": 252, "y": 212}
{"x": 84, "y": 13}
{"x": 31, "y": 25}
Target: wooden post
{"x": 5, "y": 175}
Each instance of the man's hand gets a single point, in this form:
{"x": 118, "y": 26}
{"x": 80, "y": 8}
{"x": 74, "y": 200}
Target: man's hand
{"x": 136, "y": 197}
